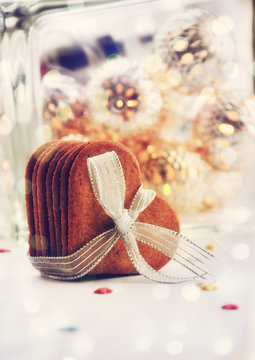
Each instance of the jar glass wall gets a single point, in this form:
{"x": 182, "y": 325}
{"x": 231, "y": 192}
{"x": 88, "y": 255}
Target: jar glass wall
{"x": 167, "y": 80}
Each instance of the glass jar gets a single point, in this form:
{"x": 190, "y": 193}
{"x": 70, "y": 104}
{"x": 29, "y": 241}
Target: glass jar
{"x": 161, "y": 77}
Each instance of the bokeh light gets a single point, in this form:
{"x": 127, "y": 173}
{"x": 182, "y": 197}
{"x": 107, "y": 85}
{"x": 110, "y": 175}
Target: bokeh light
{"x": 241, "y": 214}
{"x": 174, "y": 347}
{"x": 208, "y": 95}
{"x": 52, "y": 76}
{"x": 191, "y": 293}
{"x": 180, "y": 44}
{"x": 178, "y": 327}
{"x": 143, "y": 343}
{"x": 167, "y": 189}
{"x": 82, "y": 344}
{"x": 21, "y": 186}
{"x": 6, "y": 165}
{"x": 241, "y": 251}
{"x": 5, "y": 125}
{"x": 31, "y": 305}
{"x": 39, "y": 326}
{"x": 161, "y": 292}
{"x": 173, "y": 77}
{"x": 223, "y": 346}
{"x": 63, "y": 111}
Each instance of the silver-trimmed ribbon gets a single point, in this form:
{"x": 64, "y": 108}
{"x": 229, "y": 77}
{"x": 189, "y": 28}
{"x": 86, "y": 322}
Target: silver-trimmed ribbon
{"x": 108, "y": 184}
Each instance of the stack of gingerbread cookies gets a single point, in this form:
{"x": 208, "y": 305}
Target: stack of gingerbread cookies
{"x": 62, "y": 210}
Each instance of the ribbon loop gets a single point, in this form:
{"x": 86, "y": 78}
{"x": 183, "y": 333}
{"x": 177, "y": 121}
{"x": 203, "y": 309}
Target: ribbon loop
{"x": 108, "y": 182}
{"x": 141, "y": 201}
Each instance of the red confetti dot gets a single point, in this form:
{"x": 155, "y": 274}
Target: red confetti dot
{"x": 5, "y": 250}
{"x": 230, "y": 307}
{"x": 103, "y": 291}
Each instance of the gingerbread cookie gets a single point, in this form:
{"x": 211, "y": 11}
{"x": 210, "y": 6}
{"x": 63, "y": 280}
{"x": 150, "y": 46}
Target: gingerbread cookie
{"x": 89, "y": 224}
{"x": 32, "y": 211}
{"x": 57, "y": 162}
{"x": 64, "y": 179}
{"x": 39, "y": 173}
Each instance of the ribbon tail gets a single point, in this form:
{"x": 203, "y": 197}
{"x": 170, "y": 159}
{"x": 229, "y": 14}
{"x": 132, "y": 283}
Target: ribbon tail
{"x": 190, "y": 258}
{"x": 145, "y": 269}
{"x": 79, "y": 263}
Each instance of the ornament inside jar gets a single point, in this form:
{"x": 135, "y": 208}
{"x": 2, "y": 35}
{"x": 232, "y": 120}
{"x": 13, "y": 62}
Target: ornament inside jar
{"x": 178, "y": 174}
{"x": 226, "y": 131}
{"x": 194, "y": 46}
{"x": 122, "y": 97}
{"x": 64, "y": 105}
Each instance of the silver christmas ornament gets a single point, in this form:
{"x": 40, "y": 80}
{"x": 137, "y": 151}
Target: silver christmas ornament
{"x": 121, "y": 96}
{"x": 226, "y": 130}
{"x": 196, "y": 46}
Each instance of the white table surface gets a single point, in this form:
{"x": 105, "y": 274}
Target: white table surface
{"x": 42, "y": 319}
{"x": 47, "y": 319}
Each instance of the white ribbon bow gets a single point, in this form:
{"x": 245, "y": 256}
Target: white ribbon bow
{"x": 108, "y": 183}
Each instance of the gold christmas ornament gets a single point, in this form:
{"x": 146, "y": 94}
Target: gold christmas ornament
{"x": 194, "y": 46}
{"x": 122, "y": 97}
{"x": 178, "y": 175}
{"x": 226, "y": 131}
{"x": 64, "y": 106}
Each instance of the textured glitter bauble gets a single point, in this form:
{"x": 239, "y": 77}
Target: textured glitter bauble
{"x": 226, "y": 130}
{"x": 64, "y": 106}
{"x": 195, "y": 47}
{"x": 179, "y": 175}
{"x": 122, "y": 96}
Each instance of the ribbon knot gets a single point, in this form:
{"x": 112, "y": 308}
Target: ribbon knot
{"x": 108, "y": 184}
{"x": 124, "y": 223}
